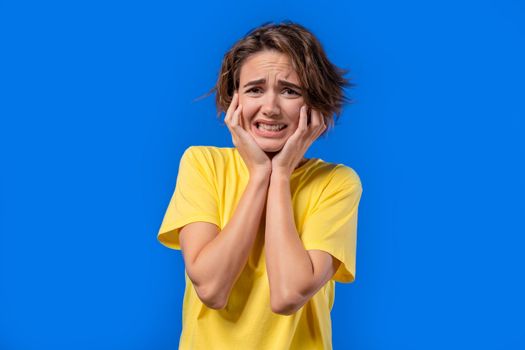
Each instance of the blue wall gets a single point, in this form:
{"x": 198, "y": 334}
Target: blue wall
{"x": 97, "y": 108}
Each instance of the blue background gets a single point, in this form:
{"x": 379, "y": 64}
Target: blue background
{"x": 97, "y": 107}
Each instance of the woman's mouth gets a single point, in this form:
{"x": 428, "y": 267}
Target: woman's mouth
{"x": 271, "y": 131}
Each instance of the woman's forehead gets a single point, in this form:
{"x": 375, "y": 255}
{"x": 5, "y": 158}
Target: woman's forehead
{"x": 268, "y": 65}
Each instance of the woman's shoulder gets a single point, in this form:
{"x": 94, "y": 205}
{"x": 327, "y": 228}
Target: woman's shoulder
{"x": 208, "y": 151}
{"x": 213, "y": 156}
{"x": 337, "y": 173}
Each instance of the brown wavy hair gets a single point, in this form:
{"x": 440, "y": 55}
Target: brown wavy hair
{"x": 323, "y": 83}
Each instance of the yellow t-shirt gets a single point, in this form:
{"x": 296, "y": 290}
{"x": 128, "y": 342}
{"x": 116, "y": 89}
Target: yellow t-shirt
{"x": 325, "y": 199}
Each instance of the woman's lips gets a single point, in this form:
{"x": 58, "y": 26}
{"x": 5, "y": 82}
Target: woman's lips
{"x": 268, "y": 133}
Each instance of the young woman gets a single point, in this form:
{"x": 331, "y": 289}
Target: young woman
{"x": 265, "y": 232}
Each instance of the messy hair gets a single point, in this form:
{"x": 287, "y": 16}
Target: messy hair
{"x": 323, "y": 83}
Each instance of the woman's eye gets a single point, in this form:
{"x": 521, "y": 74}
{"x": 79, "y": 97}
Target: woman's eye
{"x": 287, "y": 91}
{"x": 254, "y": 89}
{"x": 293, "y": 92}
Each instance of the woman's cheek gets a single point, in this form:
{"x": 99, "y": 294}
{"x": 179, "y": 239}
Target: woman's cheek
{"x": 248, "y": 112}
{"x": 245, "y": 118}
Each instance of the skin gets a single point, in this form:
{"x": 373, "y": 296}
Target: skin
{"x": 294, "y": 273}
{"x": 271, "y": 101}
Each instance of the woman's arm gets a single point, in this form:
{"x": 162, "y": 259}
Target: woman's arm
{"x": 215, "y": 268}
{"x": 294, "y": 274}
{"x": 288, "y": 263}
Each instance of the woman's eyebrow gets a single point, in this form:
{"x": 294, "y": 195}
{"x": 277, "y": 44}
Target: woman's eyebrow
{"x": 281, "y": 82}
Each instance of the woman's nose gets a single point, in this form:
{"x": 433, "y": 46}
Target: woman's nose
{"x": 270, "y": 104}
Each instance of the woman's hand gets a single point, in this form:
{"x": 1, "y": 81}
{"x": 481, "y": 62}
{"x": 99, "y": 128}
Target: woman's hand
{"x": 254, "y": 157}
{"x": 285, "y": 162}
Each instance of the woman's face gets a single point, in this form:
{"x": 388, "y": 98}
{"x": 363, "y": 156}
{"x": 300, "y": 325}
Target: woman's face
{"x": 270, "y": 93}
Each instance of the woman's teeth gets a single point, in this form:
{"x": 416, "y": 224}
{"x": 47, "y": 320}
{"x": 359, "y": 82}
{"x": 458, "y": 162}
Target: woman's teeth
{"x": 271, "y": 127}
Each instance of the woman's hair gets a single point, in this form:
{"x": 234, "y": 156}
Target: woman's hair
{"x": 323, "y": 83}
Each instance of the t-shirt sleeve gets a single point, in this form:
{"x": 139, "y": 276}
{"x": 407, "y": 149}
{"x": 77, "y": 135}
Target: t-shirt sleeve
{"x": 332, "y": 225}
{"x": 195, "y": 197}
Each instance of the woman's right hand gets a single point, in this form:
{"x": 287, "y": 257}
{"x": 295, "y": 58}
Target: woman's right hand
{"x": 254, "y": 157}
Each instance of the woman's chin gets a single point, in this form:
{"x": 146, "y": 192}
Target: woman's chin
{"x": 271, "y": 147}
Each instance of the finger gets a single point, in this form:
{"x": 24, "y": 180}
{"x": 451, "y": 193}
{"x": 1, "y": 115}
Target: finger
{"x": 235, "y": 117}
{"x": 320, "y": 124}
{"x": 241, "y": 120}
{"x": 232, "y": 107}
{"x": 234, "y": 131}
{"x": 323, "y": 120}
{"x": 230, "y": 121}
{"x": 303, "y": 120}
{"x": 317, "y": 119}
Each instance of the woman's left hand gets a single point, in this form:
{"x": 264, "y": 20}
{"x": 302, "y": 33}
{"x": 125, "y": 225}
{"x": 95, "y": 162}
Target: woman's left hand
{"x": 295, "y": 147}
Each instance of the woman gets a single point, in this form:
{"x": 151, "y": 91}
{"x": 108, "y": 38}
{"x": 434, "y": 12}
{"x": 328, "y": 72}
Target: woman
{"x": 265, "y": 232}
